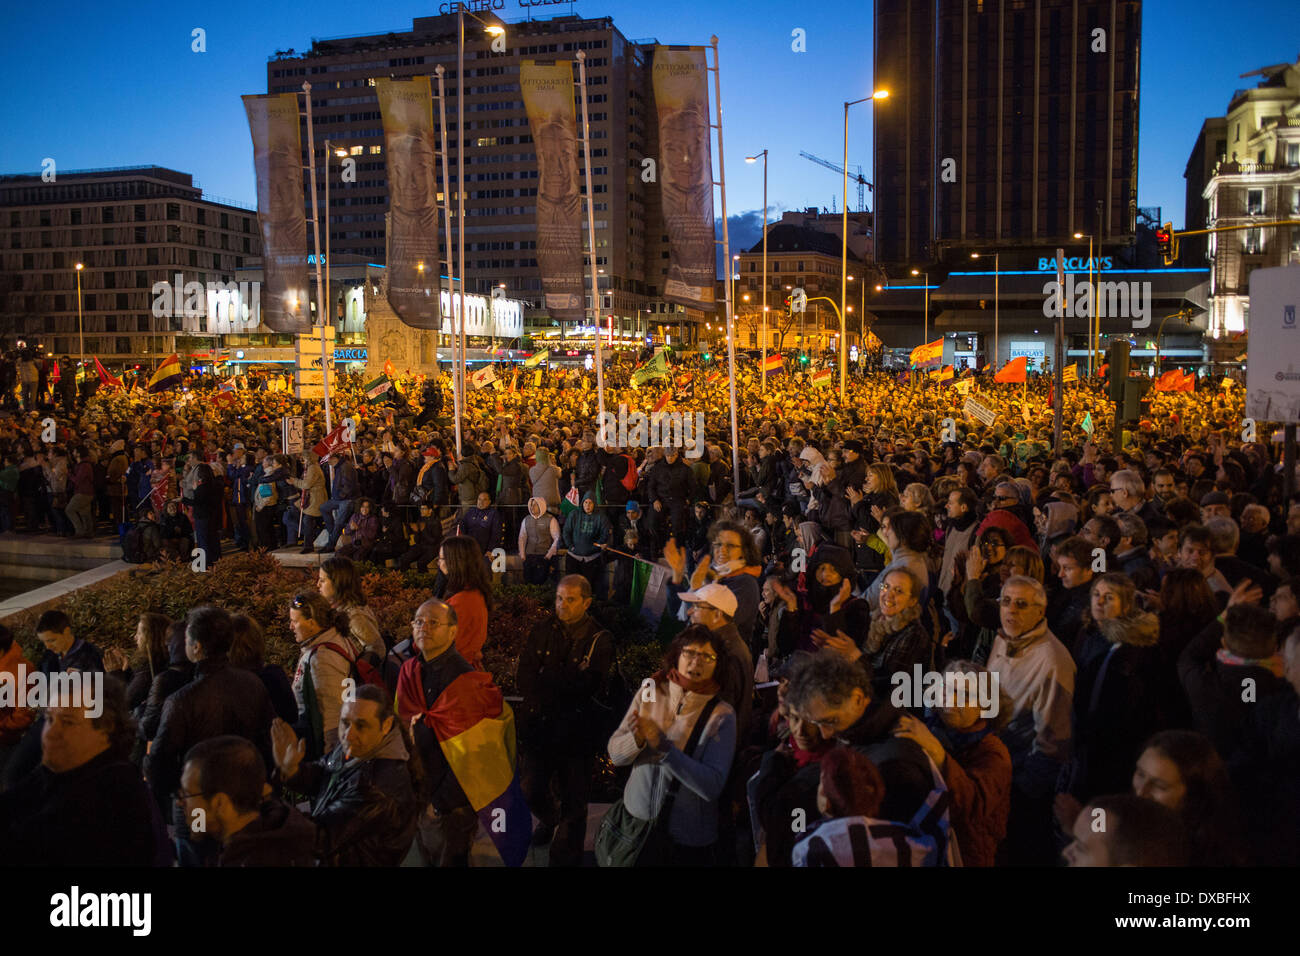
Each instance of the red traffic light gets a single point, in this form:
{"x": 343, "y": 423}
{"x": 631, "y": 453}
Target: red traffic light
{"x": 1165, "y": 243}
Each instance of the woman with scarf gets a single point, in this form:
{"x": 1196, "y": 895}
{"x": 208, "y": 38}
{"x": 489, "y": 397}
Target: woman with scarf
{"x": 1116, "y": 704}
{"x": 976, "y": 595}
{"x": 898, "y": 636}
{"x": 974, "y": 762}
{"x": 830, "y": 609}
{"x": 678, "y": 774}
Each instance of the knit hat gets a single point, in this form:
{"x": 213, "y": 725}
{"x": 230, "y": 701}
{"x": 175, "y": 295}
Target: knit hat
{"x": 633, "y": 506}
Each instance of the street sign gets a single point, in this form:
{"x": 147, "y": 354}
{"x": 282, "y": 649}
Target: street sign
{"x": 292, "y": 435}
{"x": 1273, "y": 362}
{"x": 309, "y": 376}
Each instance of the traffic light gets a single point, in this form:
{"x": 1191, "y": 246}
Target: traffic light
{"x": 1119, "y": 364}
{"x": 1166, "y": 243}
{"x": 1134, "y": 390}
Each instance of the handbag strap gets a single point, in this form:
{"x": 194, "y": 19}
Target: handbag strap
{"x": 665, "y": 811}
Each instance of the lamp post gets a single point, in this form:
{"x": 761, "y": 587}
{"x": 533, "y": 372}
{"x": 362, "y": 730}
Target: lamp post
{"x": 81, "y": 333}
{"x": 1092, "y": 307}
{"x": 925, "y": 328}
{"x": 493, "y": 29}
{"x": 844, "y": 255}
{"x": 763, "y": 363}
{"x": 996, "y": 256}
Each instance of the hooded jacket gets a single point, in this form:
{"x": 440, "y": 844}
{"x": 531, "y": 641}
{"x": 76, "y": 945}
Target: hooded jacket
{"x": 280, "y": 836}
{"x": 539, "y": 533}
{"x": 584, "y": 533}
{"x": 365, "y": 811}
{"x": 313, "y": 482}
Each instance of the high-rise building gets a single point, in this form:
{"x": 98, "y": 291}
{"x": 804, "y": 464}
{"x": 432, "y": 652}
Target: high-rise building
{"x": 131, "y": 228}
{"x": 1010, "y": 124}
{"x": 1253, "y": 166}
{"x": 500, "y": 160}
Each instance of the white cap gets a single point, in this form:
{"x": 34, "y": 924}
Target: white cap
{"x": 717, "y": 595}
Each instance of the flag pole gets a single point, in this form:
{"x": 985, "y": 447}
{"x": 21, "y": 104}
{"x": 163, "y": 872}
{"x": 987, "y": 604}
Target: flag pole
{"x": 322, "y": 305}
{"x": 591, "y": 233}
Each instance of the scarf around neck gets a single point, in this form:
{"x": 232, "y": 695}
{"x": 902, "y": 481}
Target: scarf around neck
{"x": 883, "y": 627}
{"x": 1271, "y": 664}
{"x": 1017, "y": 644}
{"x": 707, "y": 687}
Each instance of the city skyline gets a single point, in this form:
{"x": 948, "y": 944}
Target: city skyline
{"x": 763, "y": 80}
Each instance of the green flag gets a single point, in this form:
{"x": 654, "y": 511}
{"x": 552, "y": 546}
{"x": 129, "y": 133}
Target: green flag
{"x": 1087, "y": 423}
{"x": 657, "y": 367}
{"x": 640, "y": 578}
{"x": 377, "y": 388}
{"x": 537, "y": 358}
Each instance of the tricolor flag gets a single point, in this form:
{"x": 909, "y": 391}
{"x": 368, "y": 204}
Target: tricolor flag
{"x": 929, "y": 355}
{"x": 225, "y": 396}
{"x": 105, "y": 377}
{"x": 475, "y": 729}
{"x": 823, "y": 378}
{"x": 537, "y": 358}
{"x": 483, "y": 377}
{"x": 168, "y": 375}
{"x": 376, "y": 388}
{"x": 945, "y": 374}
{"x": 1070, "y": 373}
{"x": 774, "y": 363}
{"x": 684, "y": 381}
{"x": 1014, "y": 371}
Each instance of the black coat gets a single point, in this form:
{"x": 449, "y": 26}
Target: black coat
{"x": 99, "y": 814}
{"x": 557, "y": 707}
{"x": 670, "y": 484}
{"x": 365, "y": 811}
{"x": 1214, "y": 689}
{"x": 219, "y": 700}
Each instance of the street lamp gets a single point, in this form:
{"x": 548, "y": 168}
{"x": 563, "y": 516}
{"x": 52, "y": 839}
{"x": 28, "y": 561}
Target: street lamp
{"x": 81, "y": 333}
{"x": 1094, "y": 326}
{"x": 996, "y": 255}
{"x": 763, "y": 364}
{"x": 925, "y": 329}
{"x": 844, "y": 257}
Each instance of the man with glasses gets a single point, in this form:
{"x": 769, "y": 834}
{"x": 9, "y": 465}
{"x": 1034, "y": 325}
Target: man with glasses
{"x": 440, "y": 696}
{"x": 562, "y": 674}
{"x": 733, "y": 562}
{"x": 1128, "y": 491}
{"x": 1036, "y": 673}
{"x": 834, "y": 696}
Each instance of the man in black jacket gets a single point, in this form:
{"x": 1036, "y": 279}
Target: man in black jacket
{"x": 224, "y": 796}
{"x": 85, "y": 805}
{"x": 562, "y": 671}
{"x": 669, "y": 487}
{"x": 363, "y": 792}
{"x": 219, "y": 700}
{"x": 345, "y": 488}
{"x": 835, "y": 696}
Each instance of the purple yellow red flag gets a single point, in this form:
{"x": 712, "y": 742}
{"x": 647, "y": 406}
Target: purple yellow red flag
{"x": 774, "y": 363}
{"x": 929, "y": 355}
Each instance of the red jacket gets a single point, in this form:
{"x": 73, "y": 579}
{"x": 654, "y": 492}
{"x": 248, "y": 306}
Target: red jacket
{"x": 981, "y": 799}
{"x": 14, "y": 720}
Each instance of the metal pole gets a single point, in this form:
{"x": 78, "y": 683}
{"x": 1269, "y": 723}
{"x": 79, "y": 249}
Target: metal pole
{"x": 1058, "y": 394}
{"x": 329, "y": 285}
{"x": 81, "y": 332}
{"x": 764, "y": 364}
{"x": 460, "y": 191}
{"x": 446, "y": 218}
{"x": 1092, "y": 311}
{"x": 726, "y": 257}
{"x": 925, "y": 335}
{"x": 320, "y": 278}
{"x": 844, "y": 247}
{"x": 996, "y": 350}
{"x": 591, "y": 236}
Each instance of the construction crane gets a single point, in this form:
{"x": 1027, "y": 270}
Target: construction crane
{"x": 856, "y": 177}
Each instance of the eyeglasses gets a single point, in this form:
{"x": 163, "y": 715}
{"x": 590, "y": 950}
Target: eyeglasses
{"x": 1020, "y": 604}
{"x": 430, "y": 622}
{"x": 182, "y": 796}
{"x": 704, "y": 656}
{"x": 726, "y": 546}
{"x": 826, "y": 723}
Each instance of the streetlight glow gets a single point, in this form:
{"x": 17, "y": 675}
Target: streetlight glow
{"x": 880, "y": 95}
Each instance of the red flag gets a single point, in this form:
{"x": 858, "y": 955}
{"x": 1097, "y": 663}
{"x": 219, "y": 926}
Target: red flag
{"x": 105, "y": 377}
{"x": 389, "y": 370}
{"x": 1014, "y": 371}
{"x": 329, "y": 444}
{"x": 1188, "y": 384}
{"x": 662, "y": 403}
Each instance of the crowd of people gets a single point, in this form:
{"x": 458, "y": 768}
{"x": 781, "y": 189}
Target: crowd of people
{"x": 1132, "y": 613}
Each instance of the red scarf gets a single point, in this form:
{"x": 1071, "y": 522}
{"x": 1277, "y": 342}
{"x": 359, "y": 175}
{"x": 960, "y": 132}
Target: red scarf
{"x": 707, "y": 687}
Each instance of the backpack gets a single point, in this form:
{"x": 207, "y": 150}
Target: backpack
{"x": 398, "y": 655}
{"x": 630, "y": 479}
{"x": 363, "y": 670}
